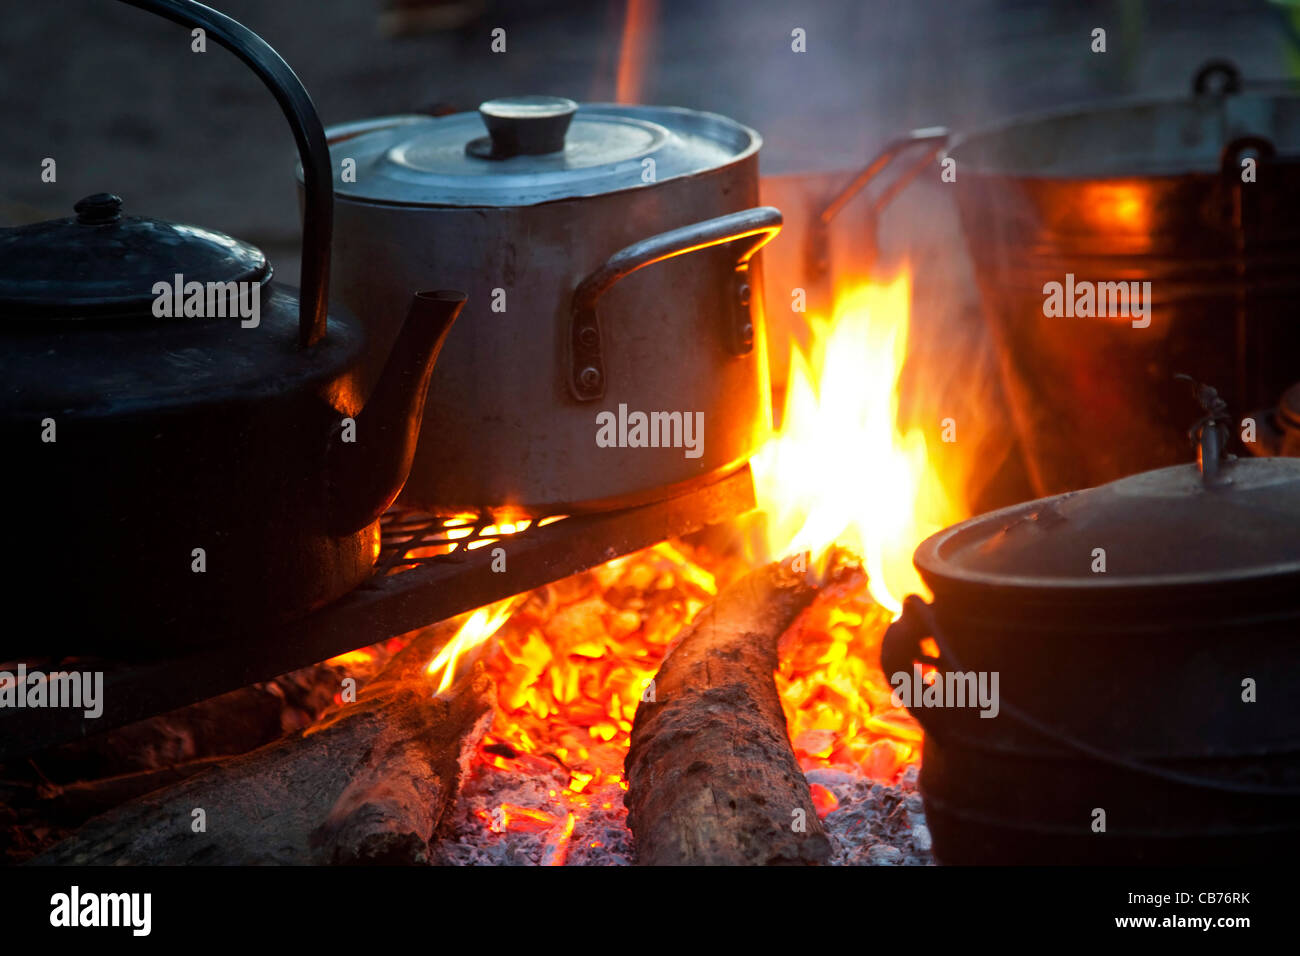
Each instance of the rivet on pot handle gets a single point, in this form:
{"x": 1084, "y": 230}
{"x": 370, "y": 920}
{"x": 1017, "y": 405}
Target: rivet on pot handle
{"x": 1227, "y": 74}
{"x": 758, "y": 226}
{"x": 1230, "y": 157}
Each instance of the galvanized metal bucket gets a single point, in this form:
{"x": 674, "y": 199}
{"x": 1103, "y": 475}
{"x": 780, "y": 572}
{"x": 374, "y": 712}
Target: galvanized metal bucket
{"x": 1180, "y": 214}
{"x": 1195, "y": 201}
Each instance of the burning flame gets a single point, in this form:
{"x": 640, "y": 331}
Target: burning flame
{"x": 634, "y": 49}
{"x": 479, "y": 628}
{"x": 476, "y": 631}
{"x": 840, "y": 471}
{"x": 843, "y": 472}
{"x": 571, "y": 661}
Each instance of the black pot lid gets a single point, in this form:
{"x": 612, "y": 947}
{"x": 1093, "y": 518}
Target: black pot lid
{"x": 102, "y": 263}
{"x": 1157, "y": 529}
{"x": 525, "y": 150}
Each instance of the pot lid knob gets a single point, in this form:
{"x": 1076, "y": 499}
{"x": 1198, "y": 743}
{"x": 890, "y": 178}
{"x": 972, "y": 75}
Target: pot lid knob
{"x": 1209, "y": 433}
{"x": 98, "y": 209}
{"x": 523, "y": 126}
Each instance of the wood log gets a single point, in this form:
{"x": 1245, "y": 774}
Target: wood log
{"x": 390, "y": 810}
{"x": 369, "y": 783}
{"x": 72, "y": 804}
{"x": 712, "y": 778}
{"x": 233, "y": 723}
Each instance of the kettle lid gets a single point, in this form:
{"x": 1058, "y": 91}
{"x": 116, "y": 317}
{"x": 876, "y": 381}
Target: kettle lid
{"x": 100, "y": 263}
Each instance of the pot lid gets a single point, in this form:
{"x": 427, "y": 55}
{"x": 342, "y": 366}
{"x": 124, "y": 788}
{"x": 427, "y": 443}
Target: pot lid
{"x": 520, "y": 151}
{"x": 1169, "y": 527}
{"x": 101, "y": 263}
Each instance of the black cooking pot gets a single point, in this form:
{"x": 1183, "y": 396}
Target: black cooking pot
{"x": 1144, "y": 638}
{"x": 171, "y": 475}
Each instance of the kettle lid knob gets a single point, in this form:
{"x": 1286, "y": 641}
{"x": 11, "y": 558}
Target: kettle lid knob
{"x": 98, "y": 209}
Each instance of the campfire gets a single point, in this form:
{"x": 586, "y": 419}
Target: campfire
{"x": 572, "y": 661}
{"x": 580, "y": 722}
{"x": 652, "y": 441}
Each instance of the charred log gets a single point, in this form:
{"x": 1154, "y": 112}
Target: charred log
{"x": 712, "y": 778}
{"x": 390, "y": 810}
{"x": 369, "y": 783}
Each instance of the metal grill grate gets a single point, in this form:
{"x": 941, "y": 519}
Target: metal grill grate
{"x": 411, "y": 538}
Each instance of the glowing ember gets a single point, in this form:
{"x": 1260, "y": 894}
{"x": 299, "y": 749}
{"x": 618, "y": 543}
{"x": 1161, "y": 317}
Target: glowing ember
{"x": 841, "y": 472}
{"x": 571, "y": 660}
{"x": 837, "y": 703}
{"x": 823, "y": 800}
{"x": 572, "y": 663}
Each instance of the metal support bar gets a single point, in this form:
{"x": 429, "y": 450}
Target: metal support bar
{"x": 434, "y": 589}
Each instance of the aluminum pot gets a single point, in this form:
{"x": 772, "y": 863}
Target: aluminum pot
{"x": 1143, "y": 635}
{"x": 608, "y": 253}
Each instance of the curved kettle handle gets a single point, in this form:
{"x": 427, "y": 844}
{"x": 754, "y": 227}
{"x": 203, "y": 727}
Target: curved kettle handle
{"x": 318, "y": 178}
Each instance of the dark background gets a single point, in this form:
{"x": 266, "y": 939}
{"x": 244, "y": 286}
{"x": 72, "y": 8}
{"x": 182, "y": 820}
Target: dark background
{"x": 117, "y": 98}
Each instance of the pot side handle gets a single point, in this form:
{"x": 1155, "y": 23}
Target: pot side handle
{"x": 750, "y": 229}
{"x": 900, "y": 650}
{"x": 318, "y": 178}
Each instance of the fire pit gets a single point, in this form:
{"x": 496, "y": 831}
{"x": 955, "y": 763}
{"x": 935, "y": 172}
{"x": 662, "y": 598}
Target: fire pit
{"x": 535, "y": 698}
{"x": 524, "y": 612}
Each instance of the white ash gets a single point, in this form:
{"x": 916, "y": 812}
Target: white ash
{"x": 600, "y": 819}
{"x": 875, "y": 824}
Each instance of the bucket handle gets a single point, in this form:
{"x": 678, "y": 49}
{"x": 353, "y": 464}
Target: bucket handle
{"x": 934, "y": 138}
{"x": 900, "y": 648}
{"x": 308, "y": 134}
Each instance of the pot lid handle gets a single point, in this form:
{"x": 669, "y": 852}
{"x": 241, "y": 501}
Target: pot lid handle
{"x": 313, "y": 150}
{"x": 1209, "y": 433}
{"x": 523, "y": 126}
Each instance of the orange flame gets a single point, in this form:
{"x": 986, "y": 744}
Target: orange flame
{"x": 572, "y": 662}
{"x": 633, "y": 54}
{"x": 840, "y": 471}
{"x": 474, "y": 633}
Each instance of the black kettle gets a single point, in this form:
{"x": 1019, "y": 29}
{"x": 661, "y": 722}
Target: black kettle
{"x": 186, "y": 452}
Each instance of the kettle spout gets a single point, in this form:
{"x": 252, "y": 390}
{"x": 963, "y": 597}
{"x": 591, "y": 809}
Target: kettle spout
{"x": 367, "y": 471}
